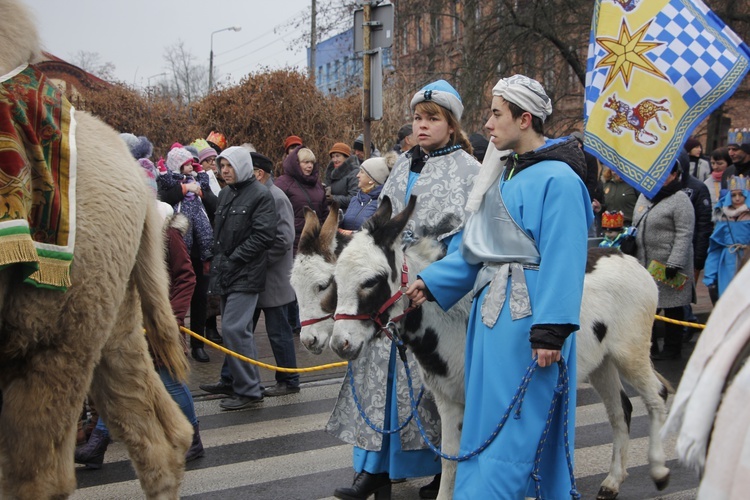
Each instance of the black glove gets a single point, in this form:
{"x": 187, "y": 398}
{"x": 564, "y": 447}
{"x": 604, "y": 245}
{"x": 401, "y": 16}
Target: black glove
{"x": 671, "y": 271}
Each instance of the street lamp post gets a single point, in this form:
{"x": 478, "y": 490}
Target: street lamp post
{"x": 211, "y": 56}
{"x": 148, "y": 78}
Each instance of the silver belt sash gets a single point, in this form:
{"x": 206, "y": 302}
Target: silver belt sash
{"x": 497, "y": 275}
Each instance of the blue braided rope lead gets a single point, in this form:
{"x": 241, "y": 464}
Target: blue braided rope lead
{"x": 517, "y": 398}
{"x": 562, "y": 387}
{"x": 366, "y": 418}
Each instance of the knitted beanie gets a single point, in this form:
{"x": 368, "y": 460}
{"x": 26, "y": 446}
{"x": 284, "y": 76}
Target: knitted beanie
{"x": 193, "y": 151}
{"x": 206, "y": 153}
{"x": 342, "y": 148}
{"x": 177, "y": 158}
{"x": 140, "y": 147}
{"x": 292, "y": 140}
{"x": 379, "y": 168}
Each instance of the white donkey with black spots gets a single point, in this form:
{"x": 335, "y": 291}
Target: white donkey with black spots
{"x": 619, "y": 302}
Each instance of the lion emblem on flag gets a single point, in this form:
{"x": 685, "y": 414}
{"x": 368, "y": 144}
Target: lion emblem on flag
{"x": 636, "y": 117}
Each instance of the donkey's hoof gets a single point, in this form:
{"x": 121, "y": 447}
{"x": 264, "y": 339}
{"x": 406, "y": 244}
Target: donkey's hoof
{"x": 662, "y": 483}
{"x": 606, "y": 494}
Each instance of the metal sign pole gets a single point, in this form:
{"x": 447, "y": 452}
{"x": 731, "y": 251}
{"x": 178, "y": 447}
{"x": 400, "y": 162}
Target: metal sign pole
{"x": 367, "y": 76}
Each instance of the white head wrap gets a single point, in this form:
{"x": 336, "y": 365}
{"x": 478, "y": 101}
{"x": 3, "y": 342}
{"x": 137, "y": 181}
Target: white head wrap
{"x": 526, "y": 93}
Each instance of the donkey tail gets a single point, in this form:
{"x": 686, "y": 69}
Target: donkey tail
{"x": 152, "y": 282}
{"x": 665, "y": 383}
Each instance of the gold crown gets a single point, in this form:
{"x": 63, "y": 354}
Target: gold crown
{"x": 738, "y": 182}
{"x": 613, "y": 220}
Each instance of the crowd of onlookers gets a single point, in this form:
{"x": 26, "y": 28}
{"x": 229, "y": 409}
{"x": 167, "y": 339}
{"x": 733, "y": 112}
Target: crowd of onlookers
{"x": 698, "y": 222}
{"x": 234, "y": 218}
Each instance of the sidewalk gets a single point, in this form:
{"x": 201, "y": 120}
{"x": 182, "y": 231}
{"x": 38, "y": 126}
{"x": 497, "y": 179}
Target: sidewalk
{"x": 208, "y": 373}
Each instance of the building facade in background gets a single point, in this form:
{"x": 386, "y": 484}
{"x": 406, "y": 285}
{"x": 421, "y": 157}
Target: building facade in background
{"x": 339, "y": 69}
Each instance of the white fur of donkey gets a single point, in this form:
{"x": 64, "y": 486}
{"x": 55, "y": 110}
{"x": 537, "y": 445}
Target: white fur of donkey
{"x": 619, "y": 303}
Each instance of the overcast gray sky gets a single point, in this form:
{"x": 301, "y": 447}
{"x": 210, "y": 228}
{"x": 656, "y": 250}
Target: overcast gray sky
{"x": 132, "y": 34}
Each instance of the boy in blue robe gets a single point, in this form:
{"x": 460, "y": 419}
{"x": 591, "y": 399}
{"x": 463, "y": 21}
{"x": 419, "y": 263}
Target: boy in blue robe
{"x": 524, "y": 255}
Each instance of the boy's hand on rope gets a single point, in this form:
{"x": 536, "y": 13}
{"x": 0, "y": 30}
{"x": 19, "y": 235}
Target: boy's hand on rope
{"x": 545, "y": 357}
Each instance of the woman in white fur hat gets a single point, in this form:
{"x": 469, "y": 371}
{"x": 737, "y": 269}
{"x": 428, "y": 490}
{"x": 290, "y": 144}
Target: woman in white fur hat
{"x": 372, "y": 175}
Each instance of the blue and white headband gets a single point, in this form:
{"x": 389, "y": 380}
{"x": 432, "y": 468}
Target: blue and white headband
{"x": 442, "y": 94}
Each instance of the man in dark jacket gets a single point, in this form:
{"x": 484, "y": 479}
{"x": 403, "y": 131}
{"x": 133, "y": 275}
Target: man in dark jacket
{"x": 740, "y": 154}
{"x": 276, "y": 300}
{"x": 700, "y": 197}
{"x": 244, "y": 231}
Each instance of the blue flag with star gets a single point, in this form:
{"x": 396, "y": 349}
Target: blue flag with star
{"x": 655, "y": 70}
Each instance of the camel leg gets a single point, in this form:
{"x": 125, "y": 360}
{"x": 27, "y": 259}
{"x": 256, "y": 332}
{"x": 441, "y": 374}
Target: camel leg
{"x": 606, "y": 381}
{"x": 37, "y": 440}
{"x": 137, "y": 409}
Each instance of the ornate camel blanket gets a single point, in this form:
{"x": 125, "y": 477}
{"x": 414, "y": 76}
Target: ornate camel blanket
{"x": 37, "y": 178}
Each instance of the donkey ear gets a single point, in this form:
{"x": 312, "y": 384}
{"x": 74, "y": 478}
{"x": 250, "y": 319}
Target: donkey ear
{"x": 328, "y": 231}
{"x": 309, "y": 236}
{"x": 381, "y": 216}
{"x": 386, "y": 235}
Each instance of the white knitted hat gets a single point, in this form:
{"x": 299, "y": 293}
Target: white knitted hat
{"x": 177, "y": 158}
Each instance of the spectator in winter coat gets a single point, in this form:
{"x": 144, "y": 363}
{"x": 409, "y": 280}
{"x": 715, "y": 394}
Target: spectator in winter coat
{"x": 358, "y": 147}
{"x": 341, "y": 175}
{"x": 244, "y": 230}
{"x": 372, "y": 175}
{"x": 404, "y": 139}
{"x": 664, "y": 239}
{"x": 740, "y": 154}
{"x": 699, "y": 167}
{"x": 275, "y": 301}
{"x": 593, "y": 186}
{"x": 300, "y": 183}
{"x": 720, "y": 161}
{"x": 179, "y": 194}
{"x": 619, "y": 196}
{"x": 700, "y": 198}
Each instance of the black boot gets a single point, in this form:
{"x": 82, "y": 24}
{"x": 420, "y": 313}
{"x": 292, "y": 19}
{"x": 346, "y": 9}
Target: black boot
{"x": 212, "y": 334}
{"x": 431, "y": 490}
{"x": 366, "y": 484}
{"x": 199, "y": 354}
{"x": 91, "y": 454}
{"x": 196, "y": 449}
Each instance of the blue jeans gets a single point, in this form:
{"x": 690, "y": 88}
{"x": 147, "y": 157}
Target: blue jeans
{"x": 282, "y": 344}
{"x": 179, "y": 392}
{"x": 282, "y": 340}
{"x": 293, "y": 314}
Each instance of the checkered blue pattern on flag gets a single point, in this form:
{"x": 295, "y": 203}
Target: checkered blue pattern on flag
{"x": 656, "y": 69}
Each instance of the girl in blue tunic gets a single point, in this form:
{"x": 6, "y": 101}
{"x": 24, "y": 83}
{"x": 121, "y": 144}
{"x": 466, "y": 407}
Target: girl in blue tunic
{"x": 730, "y": 238}
{"x": 524, "y": 254}
{"x": 440, "y": 172}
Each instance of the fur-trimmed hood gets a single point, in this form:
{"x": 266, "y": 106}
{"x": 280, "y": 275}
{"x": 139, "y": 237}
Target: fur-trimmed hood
{"x": 179, "y": 222}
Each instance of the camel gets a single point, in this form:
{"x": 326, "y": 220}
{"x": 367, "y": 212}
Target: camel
{"x": 54, "y": 345}
{"x": 609, "y": 345}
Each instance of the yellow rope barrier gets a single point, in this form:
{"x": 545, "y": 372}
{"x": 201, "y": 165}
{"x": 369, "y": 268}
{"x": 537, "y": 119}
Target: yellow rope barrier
{"x": 260, "y": 363}
{"x": 344, "y": 363}
{"x": 678, "y": 322}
